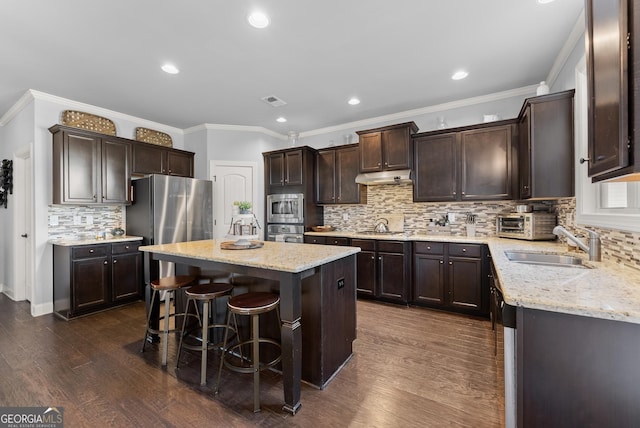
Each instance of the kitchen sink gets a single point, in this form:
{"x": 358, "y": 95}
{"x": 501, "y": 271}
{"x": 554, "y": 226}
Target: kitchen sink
{"x": 544, "y": 259}
{"x": 373, "y": 232}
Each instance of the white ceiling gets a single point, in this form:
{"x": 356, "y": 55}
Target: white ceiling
{"x": 394, "y": 55}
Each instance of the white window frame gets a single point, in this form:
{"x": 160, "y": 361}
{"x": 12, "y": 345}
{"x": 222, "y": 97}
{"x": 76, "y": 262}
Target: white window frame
{"x": 588, "y": 212}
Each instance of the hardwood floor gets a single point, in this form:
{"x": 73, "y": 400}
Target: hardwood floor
{"x": 411, "y": 367}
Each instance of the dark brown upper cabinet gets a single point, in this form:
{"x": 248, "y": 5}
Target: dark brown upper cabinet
{"x": 613, "y": 79}
{"x": 336, "y": 170}
{"x": 90, "y": 168}
{"x": 471, "y": 163}
{"x": 546, "y": 160}
{"x": 285, "y": 168}
{"x": 386, "y": 148}
{"x": 154, "y": 159}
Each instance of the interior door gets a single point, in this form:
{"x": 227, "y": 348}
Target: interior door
{"x": 232, "y": 181}
{"x": 23, "y": 236}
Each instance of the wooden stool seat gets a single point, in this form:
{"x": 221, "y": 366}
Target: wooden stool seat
{"x": 251, "y": 304}
{"x": 207, "y": 294}
{"x": 208, "y": 291}
{"x": 172, "y": 282}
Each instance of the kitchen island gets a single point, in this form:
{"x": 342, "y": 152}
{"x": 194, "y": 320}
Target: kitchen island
{"x": 317, "y": 300}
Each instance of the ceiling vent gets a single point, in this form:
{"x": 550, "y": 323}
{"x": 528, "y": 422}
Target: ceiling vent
{"x": 273, "y": 101}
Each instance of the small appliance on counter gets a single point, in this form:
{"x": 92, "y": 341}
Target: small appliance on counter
{"x": 530, "y": 226}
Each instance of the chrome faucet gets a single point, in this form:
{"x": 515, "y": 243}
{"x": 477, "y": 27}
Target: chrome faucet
{"x": 594, "y": 242}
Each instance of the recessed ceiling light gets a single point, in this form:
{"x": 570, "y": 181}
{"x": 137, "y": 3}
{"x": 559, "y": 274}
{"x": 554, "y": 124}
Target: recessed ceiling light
{"x": 354, "y": 101}
{"x": 281, "y": 119}
{"x": 258, "y": 20}
{"x": 170, "y": 68}
{"x": 458, "y": 75}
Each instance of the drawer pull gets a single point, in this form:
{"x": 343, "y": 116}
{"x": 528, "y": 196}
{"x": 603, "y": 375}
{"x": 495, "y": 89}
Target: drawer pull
{"x": 126, "y": 247}
{"x": 91, "y": 251}
{"x": 464, "y": 250}
{"x": 428, "y": 248}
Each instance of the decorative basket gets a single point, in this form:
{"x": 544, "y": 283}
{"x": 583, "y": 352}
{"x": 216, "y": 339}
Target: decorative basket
{"x": 88, "y": 121}
{"x": 154, "y": 137}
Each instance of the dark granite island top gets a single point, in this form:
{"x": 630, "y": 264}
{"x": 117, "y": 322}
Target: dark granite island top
{"x": 317, "y": 286}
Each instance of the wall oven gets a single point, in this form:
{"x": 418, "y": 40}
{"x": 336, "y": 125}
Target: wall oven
{"x": 285, "y": 208}
{"x": 285, "y": 232}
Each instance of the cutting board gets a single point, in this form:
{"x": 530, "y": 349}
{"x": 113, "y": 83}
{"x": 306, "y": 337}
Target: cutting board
{"x": 396, "y": 222}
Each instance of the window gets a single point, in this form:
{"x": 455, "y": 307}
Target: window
{"x": 609, "y": 205}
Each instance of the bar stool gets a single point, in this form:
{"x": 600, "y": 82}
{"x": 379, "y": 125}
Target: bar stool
{"x": 169, "y": 285}
{"x": 251, "y": 304}
{"x": 207, "y": 294}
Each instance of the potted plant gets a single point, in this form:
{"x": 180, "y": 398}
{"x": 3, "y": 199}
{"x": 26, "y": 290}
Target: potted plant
{"x": 244, "y": 206}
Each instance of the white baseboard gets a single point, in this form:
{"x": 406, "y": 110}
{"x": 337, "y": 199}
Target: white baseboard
{"x": 41, "y": 309}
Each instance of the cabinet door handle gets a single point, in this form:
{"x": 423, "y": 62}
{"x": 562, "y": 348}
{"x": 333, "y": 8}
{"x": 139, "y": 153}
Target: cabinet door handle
{"x": 454, "y": 193}
{"x": 373, "y": 258}
{"x": 379, "y": 257}
{"x": 450, "y": 263}
{"x": 441, "y": 262}
{"x": 115, "y": 261}
{"x": 105, "y": 262}
{"x": 463, "y": 193}
{"x": 583, "y": 160}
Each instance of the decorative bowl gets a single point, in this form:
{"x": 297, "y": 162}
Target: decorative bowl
{"x": 322, "y": 228}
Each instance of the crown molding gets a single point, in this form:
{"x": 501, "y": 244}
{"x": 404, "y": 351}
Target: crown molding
{"x": 237, "y": 128}
{"x": 374, "y": 121}
{"x": 32, "y": 94}
{"x": 19, "y": 105}
{"x": 577, "y": 32}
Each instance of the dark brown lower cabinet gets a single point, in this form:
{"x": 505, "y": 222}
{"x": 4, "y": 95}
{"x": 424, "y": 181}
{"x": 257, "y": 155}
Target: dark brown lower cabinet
{"x": 383, "y": 269}
{"x": 576, "y": 371}
{"x": 89, "y": 278}
{"x": 451, "y": 276}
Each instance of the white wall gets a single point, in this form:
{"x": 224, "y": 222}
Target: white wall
{"x": 461, "y": 113}
{"x": 13, "y": 137}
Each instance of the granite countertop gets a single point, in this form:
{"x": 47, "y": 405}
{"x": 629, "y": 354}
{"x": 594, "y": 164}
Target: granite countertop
{"x": 73, "y": 241}
{"x": 605, "y": 290}
{"x": 280, "y": 256}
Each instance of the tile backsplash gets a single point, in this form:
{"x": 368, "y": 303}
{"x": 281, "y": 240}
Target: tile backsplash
{"x": 619, "y": 246}
{"x": 104, "y": 218}
{"x": 398, "y": 199}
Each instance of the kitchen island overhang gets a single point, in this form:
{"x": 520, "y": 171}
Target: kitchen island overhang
{"x": 316, "y": 284}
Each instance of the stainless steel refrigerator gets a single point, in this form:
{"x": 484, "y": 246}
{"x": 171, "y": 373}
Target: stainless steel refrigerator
{"x": 168, "y": 209}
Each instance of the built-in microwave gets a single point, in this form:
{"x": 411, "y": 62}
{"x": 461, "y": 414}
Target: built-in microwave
{"x": 533, "y": 226}
{"x": 285, "y": 208}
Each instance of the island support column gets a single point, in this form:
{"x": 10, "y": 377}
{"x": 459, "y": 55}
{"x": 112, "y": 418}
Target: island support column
{"x": 291, "y": 336}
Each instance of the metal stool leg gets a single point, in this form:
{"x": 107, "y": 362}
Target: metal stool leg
{"x": 184, "y": 323}
{"x": 205, "y": 342}
{"x": 146, "y": 331}
{"x": 165, "y": 333}
{"x": 255, "y": 336}
{"x": 224, "y": 351}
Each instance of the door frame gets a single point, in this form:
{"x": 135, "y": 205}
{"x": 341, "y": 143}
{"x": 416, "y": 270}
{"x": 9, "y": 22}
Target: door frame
{"x": 23, "y": 196}
{"x": 258, "y": 192}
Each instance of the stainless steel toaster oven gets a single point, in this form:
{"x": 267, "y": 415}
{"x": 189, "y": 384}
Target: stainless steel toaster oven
{"x": 534, "y": 226}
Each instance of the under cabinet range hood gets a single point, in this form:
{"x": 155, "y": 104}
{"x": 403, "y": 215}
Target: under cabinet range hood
{"x": 384, "y": 177}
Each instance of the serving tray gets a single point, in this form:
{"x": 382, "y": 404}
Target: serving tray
{"x": 231, "y": 245}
